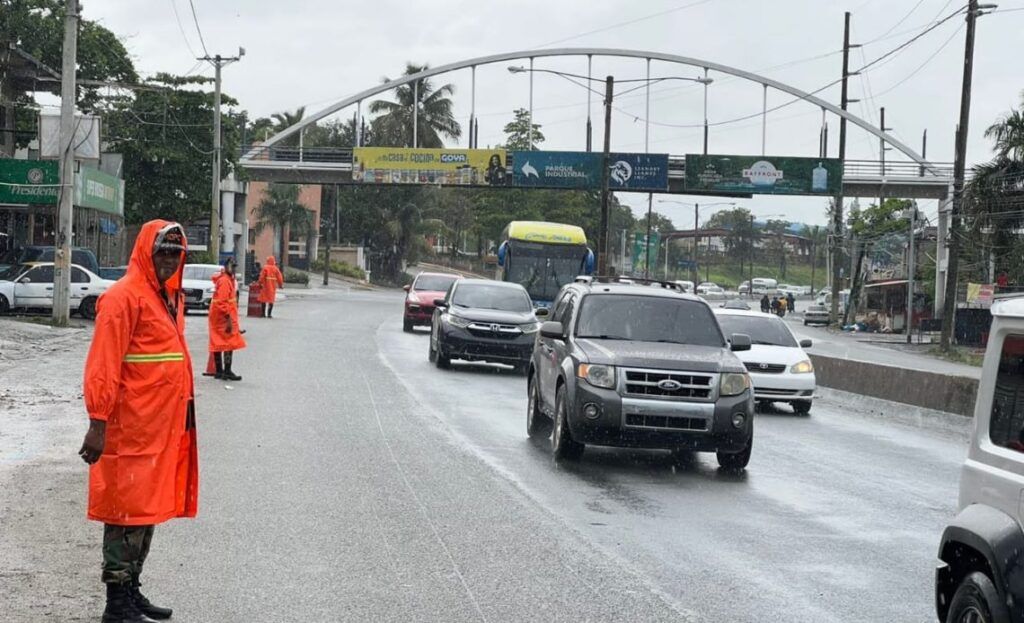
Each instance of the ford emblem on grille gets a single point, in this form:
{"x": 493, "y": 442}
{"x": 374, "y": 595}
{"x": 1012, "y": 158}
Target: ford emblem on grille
{"x": 670, "y": 385}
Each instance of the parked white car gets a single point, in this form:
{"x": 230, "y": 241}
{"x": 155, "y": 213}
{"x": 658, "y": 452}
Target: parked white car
{"x": 30, "y": 286}
{"x": 197, "y": 284}
{"x": 687, "y": 286}
{"x": 779, "y": 368}
{"x": 979, "y": 571}
{"x": 711, "y": 292}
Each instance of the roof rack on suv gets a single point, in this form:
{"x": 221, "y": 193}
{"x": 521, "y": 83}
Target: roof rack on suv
{"x": 668, "y": 285}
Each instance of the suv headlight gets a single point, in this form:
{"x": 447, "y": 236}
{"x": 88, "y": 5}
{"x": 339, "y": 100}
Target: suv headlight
{"x": 597, "y": 375}
{"x": 734, "y": 384}
{"x": 415, "y": 300}
{"x": 456, "y": 321}
{"x": 530, "y": 327}
{"x": 803, "y": 367}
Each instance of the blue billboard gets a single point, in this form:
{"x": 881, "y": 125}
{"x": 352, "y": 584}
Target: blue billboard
{"x": 582, "y": 170}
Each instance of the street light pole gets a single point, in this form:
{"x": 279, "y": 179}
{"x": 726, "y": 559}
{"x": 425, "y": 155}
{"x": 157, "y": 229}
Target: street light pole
{"x": 218, "y": 62}
{"x": 911, "y": 267}
{"x": 62, "y": 253}
{"x": 602, "y": 256}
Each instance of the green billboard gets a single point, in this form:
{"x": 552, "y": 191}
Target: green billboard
{"x": 29, "y": 181}
{"x": 100, "y": 191}
{"x": 764, "y": 175}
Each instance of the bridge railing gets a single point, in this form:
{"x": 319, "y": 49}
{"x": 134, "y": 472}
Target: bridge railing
{"x": 852, "y": 169}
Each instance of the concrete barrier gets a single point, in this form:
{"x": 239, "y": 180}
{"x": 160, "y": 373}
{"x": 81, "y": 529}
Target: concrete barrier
{"x": 928, "y": 390}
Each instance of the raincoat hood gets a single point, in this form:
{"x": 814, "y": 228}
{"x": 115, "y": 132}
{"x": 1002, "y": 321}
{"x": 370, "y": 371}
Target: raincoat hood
{"x": 271, "y": 261}
{"x": 141, "y": 263}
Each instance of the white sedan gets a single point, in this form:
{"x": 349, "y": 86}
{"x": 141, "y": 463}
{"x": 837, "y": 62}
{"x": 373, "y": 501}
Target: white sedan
{"x": 779, "y": 368}
{"x": 197, "y": 284}
{"x": 30, "y": 286}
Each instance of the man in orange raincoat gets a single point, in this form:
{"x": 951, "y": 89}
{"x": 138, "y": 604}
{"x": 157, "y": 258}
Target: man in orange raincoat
{"x": 141, "y": 443}
{"x": 225, "y": 334}
{"x": 270, "y": 278}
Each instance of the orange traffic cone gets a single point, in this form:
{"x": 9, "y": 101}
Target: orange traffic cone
{"x": 211, "y": 368}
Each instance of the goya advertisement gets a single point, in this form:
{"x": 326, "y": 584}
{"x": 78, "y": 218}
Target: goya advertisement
{"x": 764, "y": 175}
{"x": 582, "y": 169}
{"x": 449, "y": 167}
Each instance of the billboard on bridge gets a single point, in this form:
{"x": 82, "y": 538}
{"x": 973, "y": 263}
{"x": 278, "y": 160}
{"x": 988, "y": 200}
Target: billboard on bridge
{"x": 764, "y": 174}
{"x": 449, "y": 167}
{"x": 582, "y": 169}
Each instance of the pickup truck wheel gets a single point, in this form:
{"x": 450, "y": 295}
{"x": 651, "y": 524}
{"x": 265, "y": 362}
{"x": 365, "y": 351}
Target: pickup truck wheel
{"x": 5, "y": 305}
{"x": 977, "y": 601}
{"x": 802, "y": 407}
{"x": 407, "y": 325}
{"x": 442, "y": 360}
{"x": 87, "y": 309}
{"x": 562, "y": 444}
{"x": 538, "y": 425}
{"x": 431, "y": 351}
{"x": 737, "y": 461}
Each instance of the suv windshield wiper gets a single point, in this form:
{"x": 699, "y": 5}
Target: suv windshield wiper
{"x": 602, "y": 337}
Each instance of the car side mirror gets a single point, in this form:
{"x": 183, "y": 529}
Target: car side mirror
{"x": 439, "y": 303}
{"x": 542, "y": 312}
{"x": 552, "y": 329}
{"x": 406, "y": 287}
{"x": 739, "y": 341}
{"x": 805, "y": 343}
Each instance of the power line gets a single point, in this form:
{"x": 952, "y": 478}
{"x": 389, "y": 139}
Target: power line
{"x": 904, "y": 18}
{"x": 181, "y": 28}
{"x": 626, "y": 23}
{"x": 925, "y": 63}
{"x": 195, "y": 19}
{"x": 910, "y": 41}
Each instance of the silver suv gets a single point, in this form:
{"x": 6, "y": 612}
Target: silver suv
{"x": 639, "y": 364}
{"x": 980, "y": 576}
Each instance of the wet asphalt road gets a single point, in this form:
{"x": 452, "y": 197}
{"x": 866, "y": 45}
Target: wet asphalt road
{"x": 346, "y": 478}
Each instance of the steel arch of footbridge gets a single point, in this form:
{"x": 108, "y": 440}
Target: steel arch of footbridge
{"x": 591, "y": 52}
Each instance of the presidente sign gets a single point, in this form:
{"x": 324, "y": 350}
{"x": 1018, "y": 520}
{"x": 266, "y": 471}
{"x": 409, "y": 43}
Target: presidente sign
{"x": 26, "y": 182}
{"x": 582, "y": 169}
{"x": 764, "y": 174}
{"x": 454, "y": 167}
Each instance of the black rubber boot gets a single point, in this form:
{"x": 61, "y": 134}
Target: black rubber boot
{"x": 264, "y": 310}
{"x": 218, "y": 364}
{"x": 228, "y": 374}
{"x": 144, "y": 606}
{"x": 121, "y": 607}
{"x": 270, "y": 310}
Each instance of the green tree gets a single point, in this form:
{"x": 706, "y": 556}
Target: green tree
{"x": 435, "y": 119}
{"x": 165, "y": 135}
{"x": 1008, "y": 134}
{"x": 739, "y": 242}
{"x": 517, "y": 132}
{"x": 775, "y": 242}
{"x": 868, "y": 226}
{"x": 284, "y": 120}
{"x": 280, "y": 209}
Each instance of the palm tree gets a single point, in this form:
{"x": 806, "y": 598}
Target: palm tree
{"x": 280, "y": 209}
{"x": 435, "y": 119}
{"x": 1008, "y": 134}
{"x": 283, "y": 120}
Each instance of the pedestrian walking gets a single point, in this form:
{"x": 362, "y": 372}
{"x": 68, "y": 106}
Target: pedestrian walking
{"x": 790, "y": 302}
{"x": 774, "y": 306}
{"x": 270, "y": 279}
{"x": 225, "y": 332}
{"x": 766, "y": 304}
{"x": 782, "y": 307}
{"x": 141, "y": 442}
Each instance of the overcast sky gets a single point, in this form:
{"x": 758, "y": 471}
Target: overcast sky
{"x": 315, "y": 52}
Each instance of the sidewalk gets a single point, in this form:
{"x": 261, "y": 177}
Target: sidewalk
{"x": 867, "y": 348}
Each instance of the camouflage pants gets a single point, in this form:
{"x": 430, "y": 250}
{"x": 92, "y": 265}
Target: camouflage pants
{"x": 124, "y": 551}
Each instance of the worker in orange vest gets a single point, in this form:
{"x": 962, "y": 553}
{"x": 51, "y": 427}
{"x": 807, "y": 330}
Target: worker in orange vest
{"x": 141, "y": 442}
{"x": 225, "y": 332}
{"x": 270, "y": 279}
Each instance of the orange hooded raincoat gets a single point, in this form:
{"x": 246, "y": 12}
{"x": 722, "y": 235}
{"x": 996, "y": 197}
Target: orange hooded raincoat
{"x": 224, "y": 308}
{"x": 138, "y": 378}
{"x": 270, "y": 278}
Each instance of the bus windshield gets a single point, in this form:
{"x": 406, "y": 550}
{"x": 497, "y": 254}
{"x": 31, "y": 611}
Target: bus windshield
{"x": 544, "y": 268}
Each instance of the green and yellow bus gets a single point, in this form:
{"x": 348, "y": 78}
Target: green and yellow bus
{"x": 543, "y": 257}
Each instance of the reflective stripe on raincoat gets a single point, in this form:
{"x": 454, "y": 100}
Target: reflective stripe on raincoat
{"x": 138, "y": 378}
{"x": 224, "y": 309}
{"x": 270, "y": 279}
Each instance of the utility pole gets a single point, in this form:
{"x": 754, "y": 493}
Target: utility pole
{"x": 911, "y": 267}
{"x": 753, "y": 238}
{"x": 837, "y": 212}
{"x": 949, "y": 311}
{"x": 696, "y": 243}
{"x": 604, "y": 241}
{"x": 218, "y": 62}
{"x": 62, "y": 252}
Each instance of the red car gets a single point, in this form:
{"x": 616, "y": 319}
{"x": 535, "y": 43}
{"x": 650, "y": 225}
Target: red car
{"x": 419, "y": 302}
